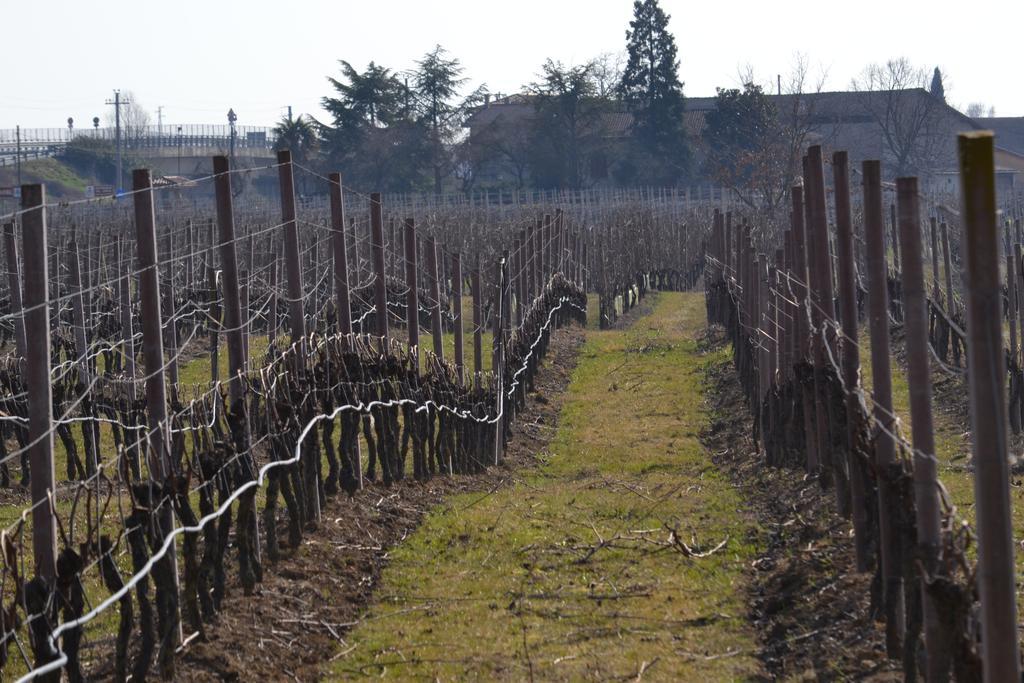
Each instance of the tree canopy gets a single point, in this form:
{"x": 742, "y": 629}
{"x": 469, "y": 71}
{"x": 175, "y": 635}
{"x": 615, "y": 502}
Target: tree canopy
{"x": 651, "y": 88}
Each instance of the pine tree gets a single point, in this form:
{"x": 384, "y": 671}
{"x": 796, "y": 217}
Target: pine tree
{"x": 937, "y": 88}
{"x": 437, "y": 80}
{"x": 651, "y": 88}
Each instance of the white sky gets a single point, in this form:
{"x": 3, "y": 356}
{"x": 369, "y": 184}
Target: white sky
{"x": 197, "y": 59}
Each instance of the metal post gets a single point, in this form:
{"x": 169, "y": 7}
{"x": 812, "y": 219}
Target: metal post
{"x": 412, "y": 297}
{"x": 171, "y": 331}
{"x": 498, "y": 347}
{"x": 14, "y": 285}
{"x": 988, "y": 411}
{"x": 436, "y": 323}
{"x": 37, "y": 380}
{"x": 478, "y": 321}
{"x": 127, "y": 327}
{"x": 380, "y": 289}
{"x": 275, "y": 266}
{"x": 89, "y": 429}
{"x": 459, "y": 333}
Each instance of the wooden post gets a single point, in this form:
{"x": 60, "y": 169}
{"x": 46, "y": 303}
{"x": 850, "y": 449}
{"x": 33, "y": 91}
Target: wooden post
{"x": 1011, "y": 295}
{"x": 14, "y": 285}
{"x": 531, "y": 274}
{"x": 249, "y": 539}
{"x": 850, "y": 356}
{"x": 338, "y": 242}
{"x": 935, "y": 258}
{"x": 988, "y": 410}
{"x": 229, "y": 274}
{"x": 152, "y": 333}
{"x": 884, "y": 418}
{"x": 727, "y": 246}
{"x": 1018, "y": 258}
{"x": 546, "y": 252}
{"x": 538, "y": 259}
{"x": 763, "y": 340}
{"x": 948, "y": 263}
{"x": 460, "y": 360}
{"x": 37, "y": 381}
{"x": 380, "y": 289}
{"x": 823, "y": 302}
{"x": 777, "y": 313}
{"x": 291, "y": 251}
{"x": 506, "y": 295}
{"x": 895, "y": 240}
{"x": 926, "y": 486}
{"x": 436, "y": 322}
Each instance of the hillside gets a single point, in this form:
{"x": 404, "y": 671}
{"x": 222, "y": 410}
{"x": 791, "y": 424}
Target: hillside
{"x": 62, "y": 181}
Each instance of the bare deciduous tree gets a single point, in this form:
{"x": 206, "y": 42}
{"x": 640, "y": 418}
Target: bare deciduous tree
{"x": 769, "y": 163}
{"x": 897, "y": 99}
{"x": 505, "y": 142}
{"x": 606, "y": 71}
{"x": 134, "y": 118}
{"x": 977, "y": 110}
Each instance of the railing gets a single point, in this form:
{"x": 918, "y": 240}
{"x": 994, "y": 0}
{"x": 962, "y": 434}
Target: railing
{"x": 148, "y": 137}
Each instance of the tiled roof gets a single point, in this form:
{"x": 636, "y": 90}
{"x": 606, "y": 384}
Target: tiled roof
{"x": 1009, "y": 131}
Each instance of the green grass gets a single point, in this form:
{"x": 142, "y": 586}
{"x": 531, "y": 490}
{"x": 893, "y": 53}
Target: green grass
{"x": 61, "y": 180}
{"x": 566, "y": 573}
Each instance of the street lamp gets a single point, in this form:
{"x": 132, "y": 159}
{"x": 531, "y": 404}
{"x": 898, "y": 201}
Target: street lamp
{"x": 179, "y": 150}
{"x": 231, "y": 123}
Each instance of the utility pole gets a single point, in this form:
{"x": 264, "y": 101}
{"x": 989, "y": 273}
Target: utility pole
{"x": 117, "y": 102}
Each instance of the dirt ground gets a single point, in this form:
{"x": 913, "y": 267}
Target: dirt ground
{"x": 307, "y": 602}
{"x": 810, "y": 609}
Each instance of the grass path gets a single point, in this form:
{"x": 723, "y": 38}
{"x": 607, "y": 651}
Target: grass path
{"x": 572, "y": 573}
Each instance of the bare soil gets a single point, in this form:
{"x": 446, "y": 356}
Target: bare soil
{"x": 812, "y": 612}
